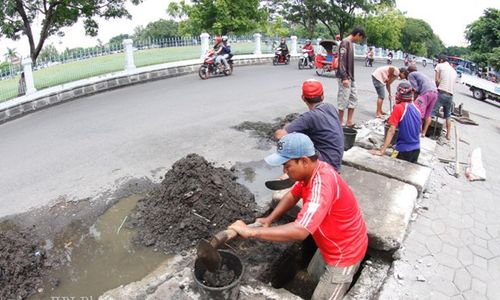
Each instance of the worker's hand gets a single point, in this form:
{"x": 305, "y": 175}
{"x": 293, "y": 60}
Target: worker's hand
{"x": 265, "y": 222}
{"x": 345, "y": 83}
{"x": 377, "y": 152}
{"x": 241, "y": 228}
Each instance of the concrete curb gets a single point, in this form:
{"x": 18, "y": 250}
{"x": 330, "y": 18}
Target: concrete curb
{"x": 21, "y": 106}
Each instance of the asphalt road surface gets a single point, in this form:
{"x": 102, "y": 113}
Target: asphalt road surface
{"x": 89, "y": 147}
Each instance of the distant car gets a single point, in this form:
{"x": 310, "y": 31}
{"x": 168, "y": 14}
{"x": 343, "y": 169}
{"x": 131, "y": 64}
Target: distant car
{"x": 461, "y": 70}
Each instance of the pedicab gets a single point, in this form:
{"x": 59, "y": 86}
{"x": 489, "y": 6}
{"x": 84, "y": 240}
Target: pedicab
{"x": 327, "y": 63}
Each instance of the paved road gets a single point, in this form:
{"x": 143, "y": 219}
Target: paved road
{"x": 90, "y": 146}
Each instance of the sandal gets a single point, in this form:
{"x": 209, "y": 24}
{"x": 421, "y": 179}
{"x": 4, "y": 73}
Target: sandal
{"x": 353, "y": 126}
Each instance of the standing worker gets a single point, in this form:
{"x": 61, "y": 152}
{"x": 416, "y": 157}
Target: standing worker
{"x": 347, "y": 96}
{"x": 445, "y": 81}
{"x": 426, "y": 93}
{"x": 330, "y": 213}
{"x": 321, "y": 124}
{"x": 382, "y": 78}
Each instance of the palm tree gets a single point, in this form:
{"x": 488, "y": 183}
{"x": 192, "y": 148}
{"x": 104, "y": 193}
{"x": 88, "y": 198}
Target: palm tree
{"x": 11, "y": 54}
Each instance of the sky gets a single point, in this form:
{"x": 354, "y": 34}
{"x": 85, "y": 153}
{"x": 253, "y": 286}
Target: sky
{"x": 448, "y": 19}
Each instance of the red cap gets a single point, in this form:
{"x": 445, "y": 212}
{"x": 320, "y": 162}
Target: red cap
{"x": 312, "y": 88}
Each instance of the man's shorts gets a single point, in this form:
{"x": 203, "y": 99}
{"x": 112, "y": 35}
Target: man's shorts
{"x": 409, "y": 156}
{"x": 347, "y": 96}
{"x": 426, "y": 103}
{"x": 334, "y": 281}
{"x": 379, "y": 87}
{"x": 444, "y": 100}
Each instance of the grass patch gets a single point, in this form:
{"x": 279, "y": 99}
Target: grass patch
{"x": 86, "y": 68}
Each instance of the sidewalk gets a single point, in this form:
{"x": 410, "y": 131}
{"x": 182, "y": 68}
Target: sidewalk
{"x": 452, "y": 250}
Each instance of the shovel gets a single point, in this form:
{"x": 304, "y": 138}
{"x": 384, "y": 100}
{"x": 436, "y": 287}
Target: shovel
{"x": 207, "y": 252}
{"x": 279, "y": 184}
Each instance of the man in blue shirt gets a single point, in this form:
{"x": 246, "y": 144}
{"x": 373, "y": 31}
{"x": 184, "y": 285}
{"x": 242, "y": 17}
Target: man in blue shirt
{"x": 321, "y": 123}
{"x": 406, "y": 117}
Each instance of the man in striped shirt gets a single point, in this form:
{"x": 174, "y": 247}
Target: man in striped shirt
{"x": 329, "y": 213}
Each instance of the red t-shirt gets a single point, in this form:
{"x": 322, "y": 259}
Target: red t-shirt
{"x": 331, "y": 214}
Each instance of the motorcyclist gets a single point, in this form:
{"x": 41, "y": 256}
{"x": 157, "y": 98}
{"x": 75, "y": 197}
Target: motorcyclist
{"x": 370, "y": 56}
{"x": 218, "y": 51}
{"x": 283, "y": 47}
{"x": 390, "y": 56}
{"x": 227, "y": 48}
{"x": 310, "y": 50}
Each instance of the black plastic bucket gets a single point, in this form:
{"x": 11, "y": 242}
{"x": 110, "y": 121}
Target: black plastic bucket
{"x": 228, "y": 292}
{"x": 349, "y": 137}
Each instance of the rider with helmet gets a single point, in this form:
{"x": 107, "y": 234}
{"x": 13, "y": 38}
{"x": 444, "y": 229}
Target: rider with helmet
{"x": 219, "y": 52}
{"x": 308, "y": 47}
{"x": 226, "y": 48}
{"x": 283, "y": 47}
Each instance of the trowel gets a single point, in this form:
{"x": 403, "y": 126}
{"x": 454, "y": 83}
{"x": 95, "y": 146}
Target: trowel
{"x": 207, "y": 252}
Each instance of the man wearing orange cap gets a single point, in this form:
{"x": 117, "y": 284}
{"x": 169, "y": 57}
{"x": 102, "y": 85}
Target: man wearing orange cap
{"x": 321, "y": 123}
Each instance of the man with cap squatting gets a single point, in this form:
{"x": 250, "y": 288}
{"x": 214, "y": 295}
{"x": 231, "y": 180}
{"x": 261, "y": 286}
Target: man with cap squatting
{"x": 329, "y": 213}
{"x": 406, "y": 116}
{"x": 321, "y": 123}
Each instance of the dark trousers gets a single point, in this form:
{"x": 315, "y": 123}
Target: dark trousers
{"x": 411, "y": 156}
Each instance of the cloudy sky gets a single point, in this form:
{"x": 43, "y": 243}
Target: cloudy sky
{"x": 448, "y": 18}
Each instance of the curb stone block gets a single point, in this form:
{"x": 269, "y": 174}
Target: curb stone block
{"x": 387, "y": 205}
{"x": 27, "y": 107}
{"x": 78, "y": 91}
{"x": 404, "y": 171}
{"x": 111, "y": 83}
{"x": 123, "y": 81}
{"x": 40, "y": 103}
{"x": 88, "y": 89}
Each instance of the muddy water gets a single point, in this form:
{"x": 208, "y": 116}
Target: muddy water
{"x": 102, "y": 257}
{"x": 253, "y": 175}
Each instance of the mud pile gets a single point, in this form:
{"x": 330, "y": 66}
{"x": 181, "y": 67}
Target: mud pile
{"x": 265, "y": 131}
{"x": 194, "y": 201}
{"x": 21, "y": 264}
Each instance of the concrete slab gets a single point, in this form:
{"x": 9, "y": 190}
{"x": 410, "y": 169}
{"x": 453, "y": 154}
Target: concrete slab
{"x": 413, "y": 174}
{"x": 387, "y": 205}
{"x": 369, "y": 282}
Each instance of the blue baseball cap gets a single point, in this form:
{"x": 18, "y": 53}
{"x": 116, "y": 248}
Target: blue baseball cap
{"x": 292, "y": 145}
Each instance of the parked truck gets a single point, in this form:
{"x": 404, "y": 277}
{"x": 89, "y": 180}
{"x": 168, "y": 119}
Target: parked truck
{"x": 481, "y": 88}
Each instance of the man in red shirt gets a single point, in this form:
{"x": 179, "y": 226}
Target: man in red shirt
{"x": 330, "y": 213}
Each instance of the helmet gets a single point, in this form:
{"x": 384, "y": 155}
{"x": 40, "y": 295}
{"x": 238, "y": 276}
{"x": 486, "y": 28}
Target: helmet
{"x": 217, "y": 39}
{"x": 308, "y": 41}
{"x": 224, "y": 38}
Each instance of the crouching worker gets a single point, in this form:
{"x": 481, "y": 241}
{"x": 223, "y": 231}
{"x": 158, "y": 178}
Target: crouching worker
{"x": 330, "y": 213}
{"x": 407, "y": 118}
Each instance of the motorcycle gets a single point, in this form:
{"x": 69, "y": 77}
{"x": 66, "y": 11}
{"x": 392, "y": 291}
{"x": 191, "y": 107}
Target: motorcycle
{"x": 424, "y": 63}
{"x": 211, "y": 68}
{"x": 305, "y": 60}
{"x": 389, "y": 60}
{"x": 368, "y": 62}
{"x": 280, "y": 58}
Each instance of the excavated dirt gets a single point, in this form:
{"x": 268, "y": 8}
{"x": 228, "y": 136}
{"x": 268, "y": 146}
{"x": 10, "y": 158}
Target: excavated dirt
{"x": 265, "y": 131}
{"x": 220, "y": 278}
{"x": 194, "y": 201}
{"x": 22, "y": 263}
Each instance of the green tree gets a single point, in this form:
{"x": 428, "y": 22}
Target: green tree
{"x": 10, "y": 54}
{"x": 301, "y": 12}
{"x": 339, "y": 15}
{"x": 276, "y": 27}
{"x": 160, "y": 29}
{"x": 484, "y": 33}
{"x": 418, "y": 38}
{"x": 384, "y": 28}
{"x": 118, "y": 39}
{"x": 48, "y": 52}
{"x": 456, "y": 51}
{"x": 19, "y": 17}
{"x": 218, "y": 16}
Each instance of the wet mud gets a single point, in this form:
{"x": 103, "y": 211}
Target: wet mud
{"x": 194, "y": 201}
{"x": 220, "y": 278}
{"x": 265, "y": 131}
